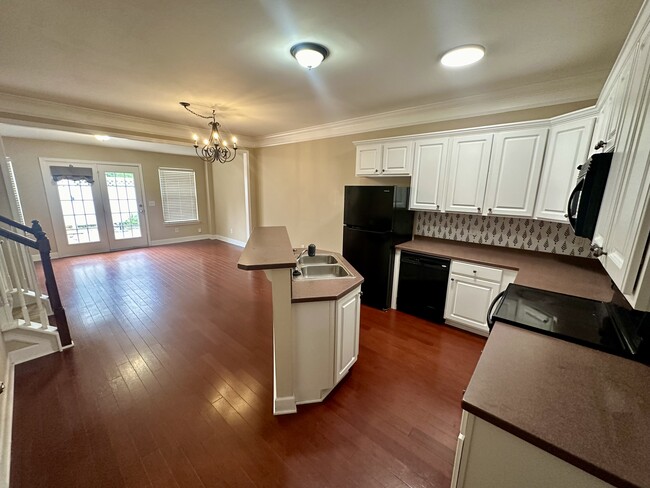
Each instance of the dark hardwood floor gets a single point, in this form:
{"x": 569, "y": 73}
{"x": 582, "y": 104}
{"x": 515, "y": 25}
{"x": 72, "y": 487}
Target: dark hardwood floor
{"x": 170, "y": 384}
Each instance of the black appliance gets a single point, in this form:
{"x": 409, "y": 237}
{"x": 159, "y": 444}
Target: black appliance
{"x": 423, "y": 286}
{"x": 587, "y": 196}
{"x": 375, "y": 220}
{"x": 611, "y": 327}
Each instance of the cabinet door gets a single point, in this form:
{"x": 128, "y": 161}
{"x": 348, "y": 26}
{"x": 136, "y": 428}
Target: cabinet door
{"x": 398, "y": 158}
{"x": 427, "y": 183}
{"x": 468, "y": 300}
{"x": 514, "y": 172}
{"x": 348, "y": 311}
{"x": 468, "y": 168}
{"x": 627, "y": 237}
{"x": 617, "y": 169}
{"x": 368, "y": 159}
{"x": 568, "y": 147}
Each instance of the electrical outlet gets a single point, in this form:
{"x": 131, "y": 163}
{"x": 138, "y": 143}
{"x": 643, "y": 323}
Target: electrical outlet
{"x": 199, "y": 229}
{"x": 231, "y": 231}
{"x": 176, "y": 229}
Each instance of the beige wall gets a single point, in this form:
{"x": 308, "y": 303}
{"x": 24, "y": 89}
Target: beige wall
{"x": 229, "y": 199}
{"x": 301, "y": 185}
{"x": 24, "y": 154}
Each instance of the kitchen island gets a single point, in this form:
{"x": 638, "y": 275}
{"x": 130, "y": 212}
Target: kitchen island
{"x": 315, "y": 321}
{"x": 542, "y": 412}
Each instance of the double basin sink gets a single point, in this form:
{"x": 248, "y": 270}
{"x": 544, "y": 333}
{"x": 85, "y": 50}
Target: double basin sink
{"x": 321, "y": 267}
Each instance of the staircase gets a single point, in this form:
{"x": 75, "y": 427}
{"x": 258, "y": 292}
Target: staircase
{"x": 32, "y": 323}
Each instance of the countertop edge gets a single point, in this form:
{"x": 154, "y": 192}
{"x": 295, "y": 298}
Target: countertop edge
{"x": 548, "y": 447}
{"x": 350, "y": 284}
{"x": 267, "y": 248}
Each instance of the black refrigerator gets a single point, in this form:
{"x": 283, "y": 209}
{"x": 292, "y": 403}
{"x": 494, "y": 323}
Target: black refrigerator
{"x": 375, "y": 220}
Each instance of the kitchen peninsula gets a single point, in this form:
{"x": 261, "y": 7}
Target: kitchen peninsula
{"x": 315, "y": 319}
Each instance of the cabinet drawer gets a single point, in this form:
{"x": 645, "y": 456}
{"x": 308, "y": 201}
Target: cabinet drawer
{"x": 477, "y": 271}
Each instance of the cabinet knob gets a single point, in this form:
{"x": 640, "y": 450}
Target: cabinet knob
{"x": 376, "y": 171}
{"x": 600, "y": 145}
{"x": 489, "y": 210}
{"x": 597, "y": 251}
{"x": 451, "y": 279}
{"x": 474, "y": 271}
{"x": 566, "y": 216}
{"x": 478, "y": 208}
{"x": 437, "y": 206}
{"x": 382, "y": 170}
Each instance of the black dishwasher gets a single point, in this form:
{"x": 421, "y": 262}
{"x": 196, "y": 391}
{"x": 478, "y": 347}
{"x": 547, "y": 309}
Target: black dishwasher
{"x": 423, "y": 286}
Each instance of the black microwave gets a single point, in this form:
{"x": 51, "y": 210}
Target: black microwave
{"x": 587, "y": 196}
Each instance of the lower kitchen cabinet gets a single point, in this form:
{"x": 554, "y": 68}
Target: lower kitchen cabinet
{"x": 489, "y": 457}
{"x": 470, "y": 291}
{"x": 326, "y": 344}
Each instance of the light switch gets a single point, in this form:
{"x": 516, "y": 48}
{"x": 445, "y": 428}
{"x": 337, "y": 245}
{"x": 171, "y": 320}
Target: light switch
{"x": 152, "y": 203}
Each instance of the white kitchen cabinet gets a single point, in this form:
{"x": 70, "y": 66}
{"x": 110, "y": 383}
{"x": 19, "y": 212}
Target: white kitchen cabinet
{"x": 397, "y": 159}
{"x": 468, "y": 169}
{"x": 568, "y": 147}
{"x": 393, "y": 158}
{"x": 369, "y": 157}
{"x": 470, "y": 291}
{"x": 428, "y": 180}
{"x": 489, "y": 457}
{"x": 326, "y": 344}
{"x": 348, "y": 311}
{"x": 515, "y": 167}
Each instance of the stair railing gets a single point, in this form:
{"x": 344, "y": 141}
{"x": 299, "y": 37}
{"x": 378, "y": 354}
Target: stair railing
{"x": 22, "y": 276}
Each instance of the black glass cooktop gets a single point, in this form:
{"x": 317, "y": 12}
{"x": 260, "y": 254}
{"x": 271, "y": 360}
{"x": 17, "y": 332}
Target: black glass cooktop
{"x": 579, "y": 320}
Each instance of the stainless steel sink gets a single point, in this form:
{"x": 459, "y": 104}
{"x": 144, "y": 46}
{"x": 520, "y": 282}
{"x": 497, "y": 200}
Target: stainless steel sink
{"x": 318, "y": 259}
{"x": 323, "y": 272}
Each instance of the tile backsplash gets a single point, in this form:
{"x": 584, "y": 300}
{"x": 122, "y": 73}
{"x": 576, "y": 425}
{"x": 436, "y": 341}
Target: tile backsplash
{"x": 533, "y": 235}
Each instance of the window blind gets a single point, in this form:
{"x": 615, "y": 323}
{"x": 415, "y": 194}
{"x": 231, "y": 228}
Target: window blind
{"x": 178, "y": 193}
{"x": 14, "y": 190}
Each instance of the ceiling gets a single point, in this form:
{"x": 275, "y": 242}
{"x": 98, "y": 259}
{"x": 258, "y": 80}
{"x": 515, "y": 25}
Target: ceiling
{"x": 140, "y": 58}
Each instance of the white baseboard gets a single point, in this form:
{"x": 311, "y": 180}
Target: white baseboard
{"x": 6, "y": 419}
{"x": 467, "y": 328}
{"x": 284, "y": 405}
{"x": 178, "y": 240}
{"x": 228, "y": 240}
{"x": 37, "y": 257}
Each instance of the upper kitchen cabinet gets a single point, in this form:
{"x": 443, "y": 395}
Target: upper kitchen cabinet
{"x": 428, "y": 180}
{"x": 568, "y": 147}
{"x": 369, "y": 159}
{"x": 468, "y": 169}
{"x": 515, "y": 167}
{"x": 393, "y": 158}
{"x": 623, "y": 250}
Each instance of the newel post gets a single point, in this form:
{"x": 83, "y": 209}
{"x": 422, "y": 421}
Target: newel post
{"x": 50, "y": 284}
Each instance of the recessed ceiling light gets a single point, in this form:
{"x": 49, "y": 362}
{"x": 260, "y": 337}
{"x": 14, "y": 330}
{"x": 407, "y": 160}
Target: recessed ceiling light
{"x": 463, "y": 56}
{"x": 102, "y": 138}
{"x": 309, "y": 54}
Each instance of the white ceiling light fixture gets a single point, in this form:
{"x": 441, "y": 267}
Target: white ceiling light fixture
{"x": 102, "y": 137}
{"x": 463, "y": 56}
{"x": 309, "y": 54}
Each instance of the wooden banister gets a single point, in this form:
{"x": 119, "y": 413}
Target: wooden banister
{"x": 42, "y": 244}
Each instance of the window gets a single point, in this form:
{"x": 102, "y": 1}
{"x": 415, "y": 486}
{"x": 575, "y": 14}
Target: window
{"x": 178, "y": 193}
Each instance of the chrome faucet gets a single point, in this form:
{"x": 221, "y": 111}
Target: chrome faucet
{"x": 311, "y": 251}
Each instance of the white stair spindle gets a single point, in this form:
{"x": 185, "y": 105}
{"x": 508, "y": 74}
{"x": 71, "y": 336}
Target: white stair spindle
{"x": 16, "y": 271}
{"x": 6, "y": 289}
{"x": 31, "y": 274}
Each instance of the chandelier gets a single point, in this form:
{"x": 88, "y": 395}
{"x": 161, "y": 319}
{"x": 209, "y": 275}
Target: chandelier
{"x": 215, "y": 148}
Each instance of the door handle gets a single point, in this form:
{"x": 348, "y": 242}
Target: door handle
{"x": 141, "y": 208}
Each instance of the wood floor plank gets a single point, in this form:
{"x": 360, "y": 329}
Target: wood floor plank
{"x": 170, "y": 384}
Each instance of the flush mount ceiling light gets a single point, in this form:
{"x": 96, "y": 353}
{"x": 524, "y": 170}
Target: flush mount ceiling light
{"x": 103, "y": 138}
{"x": 215, "y": 147}
{"x": 309, "y": 54}
{"x": 463, "y": 56}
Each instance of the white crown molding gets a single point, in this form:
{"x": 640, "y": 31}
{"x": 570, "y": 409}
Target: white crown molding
{"x": 554, "y": 92}
{"x": 33, "y": 112}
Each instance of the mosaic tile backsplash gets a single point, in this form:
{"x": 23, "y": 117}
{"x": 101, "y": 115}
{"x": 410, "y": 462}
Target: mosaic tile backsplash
{"x": 533, "y": 235}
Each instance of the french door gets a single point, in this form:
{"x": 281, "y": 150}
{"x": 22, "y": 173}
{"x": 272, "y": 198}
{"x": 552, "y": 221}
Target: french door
{"x": 95, "y": 207}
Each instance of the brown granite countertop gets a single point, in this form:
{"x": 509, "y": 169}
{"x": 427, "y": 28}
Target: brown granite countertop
{"x": 583, "y": 277}
{"x": 267, "y": 248}
{"x": 323, "y": 290}
{"x": 589, "y": 408}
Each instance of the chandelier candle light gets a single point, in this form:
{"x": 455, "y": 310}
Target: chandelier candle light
{"x": 215, "y": 148}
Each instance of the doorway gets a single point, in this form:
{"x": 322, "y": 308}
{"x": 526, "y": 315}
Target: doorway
{"x": 95, "y": 207}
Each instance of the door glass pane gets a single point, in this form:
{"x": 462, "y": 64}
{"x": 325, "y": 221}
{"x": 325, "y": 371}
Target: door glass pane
{"x": 78, "y": 209}
{"x": 124, "y": 205}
